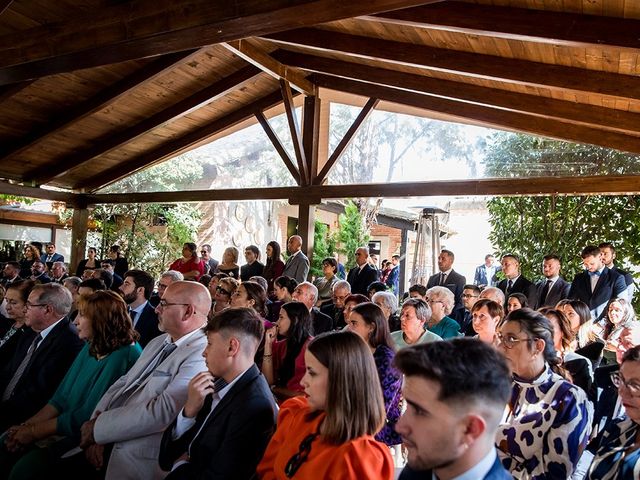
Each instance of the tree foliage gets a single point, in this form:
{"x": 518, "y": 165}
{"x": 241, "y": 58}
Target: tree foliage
{"x": 352, "y": 233}
{"x": 324, "y": 245}
{"x": 533, "y": 226}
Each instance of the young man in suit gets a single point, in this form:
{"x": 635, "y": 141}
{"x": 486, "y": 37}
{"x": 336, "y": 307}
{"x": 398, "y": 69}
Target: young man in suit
{"x": 230, "y": 413}
{"x": 608, "y": 252}
{"x": 553, "y": 287}
{"x": 42, "y": 356}
{"x": 598, "y": 284}
{"x": 448, "y": 277}
{"x": 253, "y": 267}
{"x": 456, "y": 392}
{"x": 515, "y": 282}
{"x": 363, "y": 274}
{"x": 51, "y": 256}
{"x": 131, "y": 416}
{"x": 297, "y": 265}
{"x": 136, "y": 290}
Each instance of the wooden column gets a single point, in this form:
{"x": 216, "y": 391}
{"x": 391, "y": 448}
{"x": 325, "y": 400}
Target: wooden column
{"x": 306, "y": 227}
{"x": 78, "y": 236}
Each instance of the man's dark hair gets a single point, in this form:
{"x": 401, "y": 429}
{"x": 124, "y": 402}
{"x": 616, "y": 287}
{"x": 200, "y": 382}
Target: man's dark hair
{"x": 511, "y": 255}
{"x": 141, "y": 279}
{"x": 253, "y": 249}
{"x": 552, "y": 256}
{"x": 93, "y": 283}
{"x": 488, "y": 255}
{"x": 395, "y": 256}
{"x": 105, "y": 276}
{"x": 243, "y": 322}
{"x": 109, "y": 261}
{"x": 377, "y": 287}
{"x": 608, "y": 245}
{"x": 16, "y": 265}
{"x": 590, "y": 251}
{"x": 464, "y": 368}
{"x": 449, "y": 253}
{"x": 474, "y": 288}
{"x": 421, "y": 289}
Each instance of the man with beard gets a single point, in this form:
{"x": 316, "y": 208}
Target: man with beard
{"x": 136, "y": 290}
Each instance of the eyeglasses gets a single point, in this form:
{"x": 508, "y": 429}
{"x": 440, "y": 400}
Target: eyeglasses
{"x": 466, "y": 295}
{"x": 510, "y": 341}
{"x": 222, "y": 291}
{"x": 618, "y": 380}
{"x": 203, "y": 252}
{"x": 32, "y": 305}
{"x": 299, "y": 458}
{"x": 165, "y": 304}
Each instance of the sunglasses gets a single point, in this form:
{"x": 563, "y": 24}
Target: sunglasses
{"x": 222, "y": 290}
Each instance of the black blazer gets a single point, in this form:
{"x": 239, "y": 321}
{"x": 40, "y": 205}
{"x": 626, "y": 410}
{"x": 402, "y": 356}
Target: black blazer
{"x": 497, "y": 472}
{"x": 454, "y": 282}
{"x": 336, "y": 315}
{"x": 522, "y": 285}
{"x": 321, "y": 321}
{"x": 360, "y": 281}
{"x": 47, "y": 368}
{"x": 147, "y": 325}
{"x": 559, "y": 291}
{"x": 233, "y": 438}
{"x": 610, "y": 285}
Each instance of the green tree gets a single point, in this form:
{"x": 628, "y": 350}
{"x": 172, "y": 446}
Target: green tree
{"x": 324, "y": 245}
{"x": 353, "y": 232}
{"x": 533, "y": 226}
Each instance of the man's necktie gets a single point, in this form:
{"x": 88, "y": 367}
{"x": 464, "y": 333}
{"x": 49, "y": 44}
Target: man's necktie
{"x": 509, "y": 286}
{"x": 133, "y": 314}
{"x": 49, "y": 258}
{"x": 545, "y": 291}
{"x": 21, "y": 368}
{"x": 443, "y": 279}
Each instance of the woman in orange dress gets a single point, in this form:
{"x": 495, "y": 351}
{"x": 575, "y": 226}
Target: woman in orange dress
{"x": 314, "y": 441}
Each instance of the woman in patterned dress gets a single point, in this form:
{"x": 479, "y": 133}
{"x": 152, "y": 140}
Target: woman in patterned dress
{"x": 618, "y": 453}
{"x": 547, "y": 420}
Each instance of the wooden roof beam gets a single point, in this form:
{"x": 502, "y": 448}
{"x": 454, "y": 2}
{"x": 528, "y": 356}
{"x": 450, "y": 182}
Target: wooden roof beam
{"x": 294, "y": 129}
{"x": 4, "y": 5}
{"x": 277, "y": 144}
{"x": 208, "y": 94}
{"x": 180, "y": 144}
{"x": 96, "y": 103}
{"x": 146, "y": 28}
{"x": 588, "y": 115}
{"x": 491, "y": 117}
{"x": 592, "y": 185}
{"x": 508, "y": 70}
{"x": 249, "y": 51}
{"x": 556, "y": 28}
{"x": 347, "y": 139}
{"x": 8, "y": 91}
{"x": 35, "y": 192}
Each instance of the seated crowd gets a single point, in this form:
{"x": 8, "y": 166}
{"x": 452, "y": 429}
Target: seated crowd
{"x": 234, "y": 372}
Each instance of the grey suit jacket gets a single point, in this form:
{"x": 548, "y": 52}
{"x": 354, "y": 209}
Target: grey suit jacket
{"x": 559, "y": 291}
{"x": 135, "y": 425}
{"x": 297, "y": 267}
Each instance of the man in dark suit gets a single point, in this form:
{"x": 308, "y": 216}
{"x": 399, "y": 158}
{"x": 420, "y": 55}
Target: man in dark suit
{"x": 515, "y": 283}
{"x": 335, "y": 309}
{"x": 42, "y": 357}
{"x": 230, "y": 413}
{"x": 608, "y": 252}
{"x": 363, "y": 274}
{"x": 448, "y": 277}
{"x": 10, "y": 273}
{"x": 211, "y": 264}
{"x": 297, "y": 266}
{"x": 307, "y": 293}
{"x": 464, "y": 384}
{"x": 51, "y": 256}
{"x": 253, "y": 267}
{"x": 553, "y": 288}
{"x": 470, "y": 295}
{"x": 598, "y": 284}
{"x": 116, "y": 280}
{"x": 136, "y": 290}
{"x": 38, "y": 274}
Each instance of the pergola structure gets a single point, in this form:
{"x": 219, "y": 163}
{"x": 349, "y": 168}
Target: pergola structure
{"x": 92, "y": 91}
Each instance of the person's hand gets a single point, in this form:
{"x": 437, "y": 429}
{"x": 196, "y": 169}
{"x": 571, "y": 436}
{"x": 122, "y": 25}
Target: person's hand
{"x": 86, "y": 432}
{"x": 199, "y": 387}
{"x": 24, "y": 435}
{"x": 11, "y": 442}
{"x": 95, "y": 455}
{"x": 269, "y": 336}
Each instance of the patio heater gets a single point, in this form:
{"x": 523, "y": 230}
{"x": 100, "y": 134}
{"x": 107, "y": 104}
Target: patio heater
{"x": 427, "y": 245}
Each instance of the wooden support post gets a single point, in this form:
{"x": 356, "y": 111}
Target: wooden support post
{"x": 310, "y": 135}
{"x": 78, "y": 236}
{"x": 404, "y": 244}
{"x": 306, "y": 227}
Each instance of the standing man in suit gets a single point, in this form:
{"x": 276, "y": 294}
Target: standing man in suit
{"x": 363, "y": 274}
{"x": 307, "y": 293}
{"x": 136, "y": 290}
{"x": 608, "y": 252}
{"x": 448, "y": 277}
{"x": 210, "y": 264}
{"x": 297, "y": 265}
{"x": 50, "y": 255}
{"x": 393, "y": 279}
{"x": 598, "y": 284}
{"x": 132, "y": 415}
{"x": 230, "y": 413}
{"x": 253, "y": 267}
{"x": 515, "y": 283}
{"x": 485, "y": 275}
{"x": 455, "y": 392}
{"x": 553, "y": 287}
{"x": 42, "y": 356}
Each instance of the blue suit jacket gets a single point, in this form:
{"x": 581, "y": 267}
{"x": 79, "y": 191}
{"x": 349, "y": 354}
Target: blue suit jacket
{"x": 497, "y": 472}
{"x": 610, "y": 285}
{"x": 147, "y": 325}
{"x": 480, "y": 276}
{"x": 393, "y": 280}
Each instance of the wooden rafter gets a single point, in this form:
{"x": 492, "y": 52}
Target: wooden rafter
{"x": 96, "y": 103}
{"x": 592, "y": 185}
{"x": 179, "y": 145}
{"x": 208, "y": 94}
{"x": 8, "y": 91}
{"x": 347, "y": 139}
{"x": 35, "y": 192}
{"x": 277, "y": 144}
{"x": 311, "y": 134}
{"x": 122, "y": 32}
{"x": 615, "y": 86}
{"x": 294, "y": 129}
{"x": 4, "y": 5}
{"x": 250, "y": 52}
{"x": 557, "y": 28}
{"x": 589, "y": 115}
{"x": 502, "y": 119}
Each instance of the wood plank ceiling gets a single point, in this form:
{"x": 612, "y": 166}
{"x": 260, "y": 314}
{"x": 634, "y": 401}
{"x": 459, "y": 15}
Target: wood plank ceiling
{"x": 94, "y": 90}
